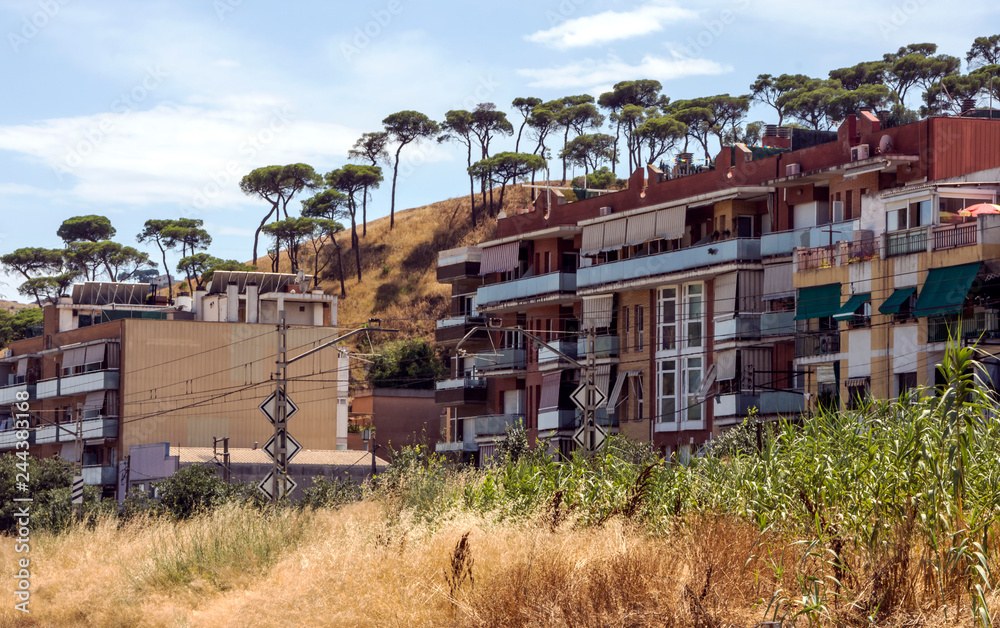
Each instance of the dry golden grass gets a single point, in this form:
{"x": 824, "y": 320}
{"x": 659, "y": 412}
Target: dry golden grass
{"x": 365, "y": 566}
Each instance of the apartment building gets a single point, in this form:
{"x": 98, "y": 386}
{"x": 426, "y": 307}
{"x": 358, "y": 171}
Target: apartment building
{"x": 140, "y": 371}
{"x": 718, "y": 290}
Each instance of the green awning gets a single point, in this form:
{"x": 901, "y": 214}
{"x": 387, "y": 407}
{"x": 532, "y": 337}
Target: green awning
{"x": 817, "y": 302}
{"x": 945, "y": 289}
{"x": 896, "y": 301}
{"x": 846, "y": 313}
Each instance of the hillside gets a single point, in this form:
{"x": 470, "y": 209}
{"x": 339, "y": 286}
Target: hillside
{"x": 399, "y": 266}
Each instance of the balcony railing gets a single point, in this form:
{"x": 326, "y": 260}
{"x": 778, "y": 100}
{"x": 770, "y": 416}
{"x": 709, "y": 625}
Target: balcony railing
{"x": 465, "y": 319}
{"x": 99, "y": 476}
{"x": 860, "y": 251}
{"x": 985, "y": 324}
{"x": 461, "y": 382}
{"x": 809, "y": 344}
{"x": 782, "y": 402}
{"x": 78, "y": 384}
{"x": 777, "y": 324}
{"x": 500, "y": 360}
{"x": 496, "y": 424}
{"x": 734, "y": 407}
{"x": 956, "y": 236}
{"x": 604, "y": 347}
{"x": 713, "y": 254}
{"x": 568, "y": 347}
{"x": 746, "y": 325}
{"x": 905, "y": 242}
{"x": 460, "y": 391}
{"x": 8, "y": 394}
{"x": 557, "y": 419}
{"x": 528, "y": 288}
{"x": 782, "y": 242}
{"x": 819, "y": 257}
{"x": 101, "y": 427}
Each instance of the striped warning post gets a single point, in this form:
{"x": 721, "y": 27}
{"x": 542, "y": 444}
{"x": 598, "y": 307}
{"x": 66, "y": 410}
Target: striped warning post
{"x": 77, "y": 489}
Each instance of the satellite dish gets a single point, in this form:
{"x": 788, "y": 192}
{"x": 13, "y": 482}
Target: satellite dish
{"x": 885, "y": 144}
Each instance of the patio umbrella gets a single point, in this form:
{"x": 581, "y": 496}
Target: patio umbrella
{"x": 979, "y": 209}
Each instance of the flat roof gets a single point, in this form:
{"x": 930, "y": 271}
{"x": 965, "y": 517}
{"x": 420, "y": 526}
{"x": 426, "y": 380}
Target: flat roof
{"x": 266, "y": 282}
{"x": 245, "y": 455}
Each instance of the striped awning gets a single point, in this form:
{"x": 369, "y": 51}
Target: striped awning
{"x": 22, "y": 367}
{"x": 670, "y": 223}
{"x": 614, "y": 235}
{"x": 597, "y": 312}
{"x": 726, "y": 361}
{"x": 725, "y": 294}
{"x": 593, "y": 239}
{"x": 94, "y": 401}
{"x": 778, "y": 281}
{"x": 602, "y": 378}
{"x": 641, "y": 228}
{"x": 95, "y": 353}
{"x": 499, "y": 259}
{"x": 74, "y": 357}
{"x": 550, "y": 392}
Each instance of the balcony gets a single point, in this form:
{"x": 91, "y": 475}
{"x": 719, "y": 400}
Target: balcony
{"x": 817, "y": 257}
{"x": 549, "y": 357}
{"x": 456, "y": 446}
{"x": 838, "y": 254}
{"x": 454, "y": 328}
{"x": 742, "y": 327}
{"x": 101, "y": 427}
{"x": 500, "y": 360}
{"x": 955, "y": 236}
{"x": 557, "y": 420}
{"x": 604, "y": 347}
{"x": 808, "y": 344}
{"x": 782, "y": 402}
{"x": 550, "y": 285}
{"x": 777, "y": 324}
{"x": 77, "y": 384}
{"x": 782, "y": 242}
{"x": 461, "y": 391}
{"x": 732, "y": 409}
{"x": 496, "y": 424}
{"x": 985, "y": 324}
{"x": 100, "y": 476}
{"x": 458, "y": 263}
{"x": 905, "y": 242}
{"x": 8, "y": 394}
{"x": 649, "y": 266}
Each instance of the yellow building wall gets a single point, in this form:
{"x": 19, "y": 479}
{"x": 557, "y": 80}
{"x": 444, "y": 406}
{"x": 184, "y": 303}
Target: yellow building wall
{"x": 185, "y": 382}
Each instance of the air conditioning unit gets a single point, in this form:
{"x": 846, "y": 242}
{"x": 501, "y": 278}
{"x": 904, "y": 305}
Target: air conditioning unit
{"x": 859, "y": 152}
{"x": 793, "y": 169}
{"x": 605, "y": 211}
{"x": 838, "y": 211}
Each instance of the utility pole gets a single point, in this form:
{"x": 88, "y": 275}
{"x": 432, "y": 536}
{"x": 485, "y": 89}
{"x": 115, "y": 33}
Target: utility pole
{"x": 225, "y": 455}
{"x": 279, "y": 468}
{"x": 77, "y": 489}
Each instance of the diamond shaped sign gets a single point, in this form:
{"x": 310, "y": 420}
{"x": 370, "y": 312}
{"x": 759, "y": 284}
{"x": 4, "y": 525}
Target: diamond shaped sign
{"x": 579, "y": 396}
{"x": 292, "y": 447}
{"x": 267, "y": 486}
{"x": 269, "y": 410}
{"x": 580, "y": 437}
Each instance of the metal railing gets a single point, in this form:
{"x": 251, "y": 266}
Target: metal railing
{"x": 862, "y": 250}
{"x": 817, "y": 257}
{"x": 461, "y": 382}
{"x": 955, "y": 236}
{"x": 822, "y": 343}
{"x": 904, "y": 242}
{"x": 985, "y": 324}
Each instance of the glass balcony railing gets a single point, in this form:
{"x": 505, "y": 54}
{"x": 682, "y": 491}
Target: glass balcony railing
{"x": 782, "y": 242}
{"x": 500, "y": 360}
{"x": 497, "y": 424}
{"x": 527, "y": 288}
{"x": 78, "y": 384}
{"x": 777, "y": 323}
{"x": 712, "y": 254}
{"x": 604, "y": 347}
{"x": 567, "y": 347}
{"x": 810, "y": 344}
{"x": 746, "y": 325}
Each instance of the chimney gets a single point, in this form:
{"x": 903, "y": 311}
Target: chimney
{"x": 253, "y": 303}
{"x": 968, "y": 106}
{"x": 232, "y": 302}
{"x": 196, "y": 305}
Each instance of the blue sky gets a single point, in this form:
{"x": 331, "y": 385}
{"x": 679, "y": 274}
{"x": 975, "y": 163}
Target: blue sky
{"x": 140, "y": 110}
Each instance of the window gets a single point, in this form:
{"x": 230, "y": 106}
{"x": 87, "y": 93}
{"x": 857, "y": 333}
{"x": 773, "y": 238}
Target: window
{"x": 744, "y": 226}
{"x": 857, "y": 392}
{"x": 906, "y": 383}
{"x": 668, "y": 319}
{"x": 895, "y": 219}
{"x": 905, "y": 312}
{"x": 638, "y": 328}
{"x": 862, "y": 316}
{"x": 692, "y": 381}
{"x": 626, "y": 327}
{"x": 667, "y": 402}
{"x": 693, "y": 313}
{"x": 637, "y": 396}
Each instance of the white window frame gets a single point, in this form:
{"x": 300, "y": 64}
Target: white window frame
{"x": 684, "y": 357}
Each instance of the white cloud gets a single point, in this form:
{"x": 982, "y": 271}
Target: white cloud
{"x": 172, "y": 153}
{"x": 590, "y": 73}
{"x": 611, "y": 26}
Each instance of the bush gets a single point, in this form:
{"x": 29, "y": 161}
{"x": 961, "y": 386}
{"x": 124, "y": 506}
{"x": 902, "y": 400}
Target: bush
{"x": 409, "y": 363}
{"x": 327, "y": 493}
{"x": 192, "y": 490}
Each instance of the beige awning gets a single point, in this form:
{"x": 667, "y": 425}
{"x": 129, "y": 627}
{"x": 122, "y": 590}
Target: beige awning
{"x": 95, "y": 400}
{"x": 670, "y": 223}
{"x": 641, "y": 228}
{"x": 825, "y": 374}
{"x": 778, "y": 281}
{"x": 614, "y": 235}
{"x": 726, "y": 361}
{"x": 597, "y": 312}
{"x": 725, "y": 295}
{"x": 757, "y": 361}
{"x": 750, "y": 287}
{"x": 499, "y": 259}
{"x": 22, "y": 367}
{"x": 602, "y": 379}
{"x": 95, "y": 354}
{"x": 593, "y": 239}
{"x": 74, "y": 357}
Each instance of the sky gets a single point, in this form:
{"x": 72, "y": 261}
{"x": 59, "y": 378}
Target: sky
{"x": 139, "y": 110}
